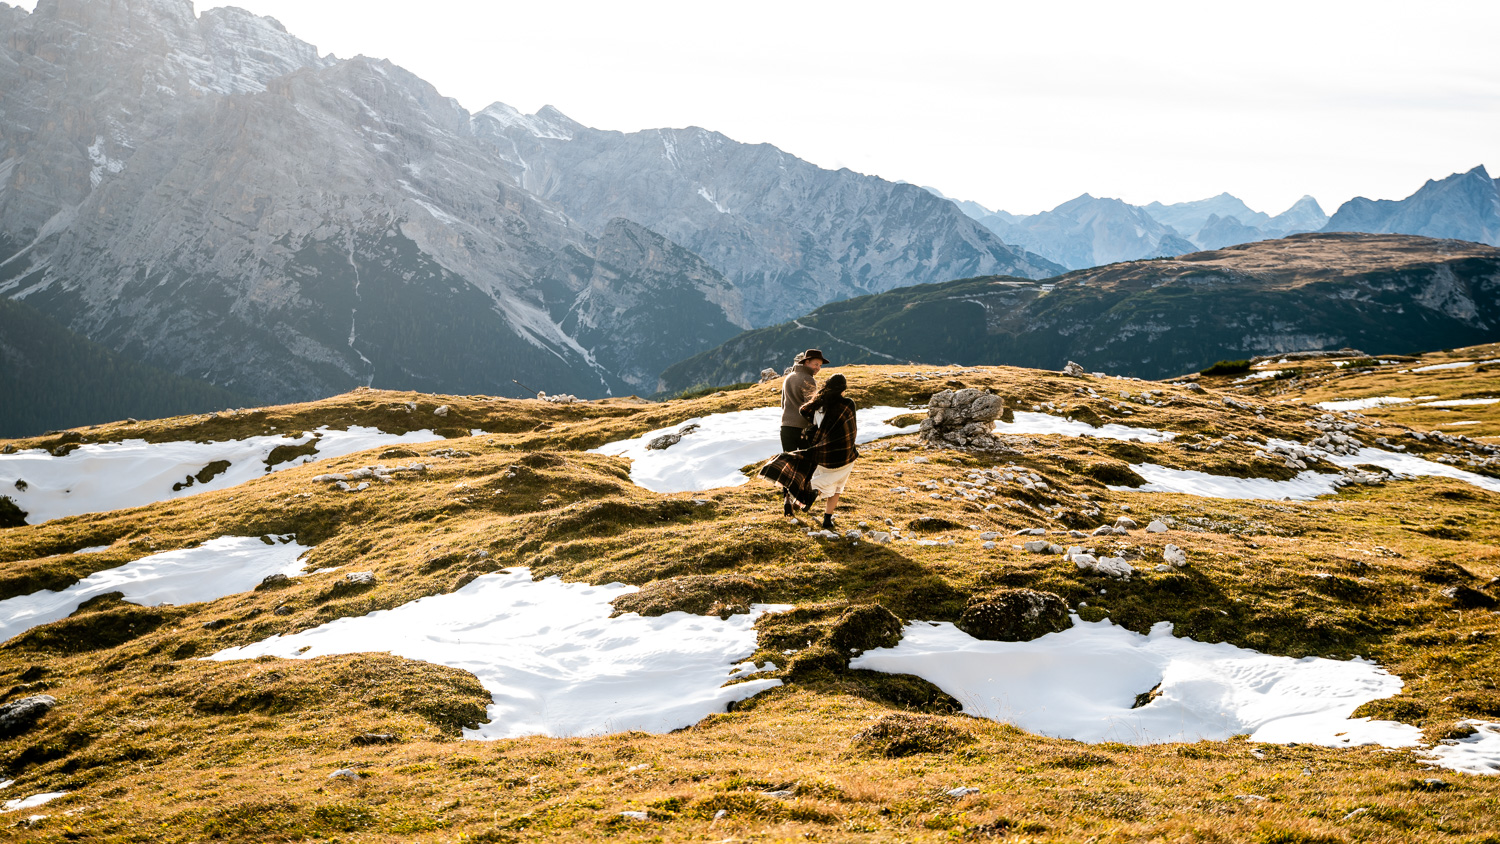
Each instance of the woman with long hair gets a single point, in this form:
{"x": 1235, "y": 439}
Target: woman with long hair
{"x": 822, "y": 469}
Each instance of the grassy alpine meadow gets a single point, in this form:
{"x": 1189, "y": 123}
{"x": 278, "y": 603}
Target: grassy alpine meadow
{"x": 151, "y": 742}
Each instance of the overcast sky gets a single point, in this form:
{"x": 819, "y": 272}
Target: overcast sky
{"x": 1015, "y": 105}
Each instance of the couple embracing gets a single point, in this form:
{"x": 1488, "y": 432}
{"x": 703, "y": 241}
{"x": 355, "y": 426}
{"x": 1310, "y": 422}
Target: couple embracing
{"x": 818, "y": 431}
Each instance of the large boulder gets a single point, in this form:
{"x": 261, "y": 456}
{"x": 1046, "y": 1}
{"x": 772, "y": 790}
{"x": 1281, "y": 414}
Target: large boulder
{"x": 962, "y": 419}
{"x": 1015, "y": 615}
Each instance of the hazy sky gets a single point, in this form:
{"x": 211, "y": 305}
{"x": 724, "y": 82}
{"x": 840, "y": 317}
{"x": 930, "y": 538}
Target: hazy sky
{"x": 1015, "y": 105}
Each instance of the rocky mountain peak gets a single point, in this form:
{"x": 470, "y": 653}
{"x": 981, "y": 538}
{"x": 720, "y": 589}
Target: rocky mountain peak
{"x": 1464, "y": 206}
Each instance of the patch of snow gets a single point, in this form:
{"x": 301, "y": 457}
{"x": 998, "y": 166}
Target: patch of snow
{"x": 1477, "y": 754}
{"x": 1046, "y": 423}
{"x": 1458, "y": 364}
{"x": 92, "y": 549}
{"x": 1305, "y": 487}
{"x": 1258, "y": 376}
{"x": 554, "y": 661}
{"x": 1361, "y": 404}
{"x": 724, "y": 443}
{"x": 100, "y": 477}
{"x": 1082, "y": 684}
{"x": 213, "y": 570}
{"x": 1411, "y": 466}
{"x": 703, "y": 192}
{"x": 31, "y": 802}
{"x": 1459, "y": 403}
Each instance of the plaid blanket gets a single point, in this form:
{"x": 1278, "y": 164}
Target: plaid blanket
{"x": 793, "y": 470}
{"x": 832, "y": 446}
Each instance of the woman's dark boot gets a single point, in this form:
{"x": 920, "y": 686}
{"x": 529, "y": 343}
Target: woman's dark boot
{"x": 828, "y": 521}
{"x": 786, "y": 505}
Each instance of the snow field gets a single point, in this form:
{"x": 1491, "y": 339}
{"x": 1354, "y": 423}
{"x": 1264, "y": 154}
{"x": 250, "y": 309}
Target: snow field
{"x": 712, "y": 456}
{"x": 1046, "y": 423}
{"x": 1367, "y": 403}
{"x": 213, "y": 570}
{"x": 554, "y": 661}
{"x": 1082, "y": 683}
{"x": 116, "y": 476}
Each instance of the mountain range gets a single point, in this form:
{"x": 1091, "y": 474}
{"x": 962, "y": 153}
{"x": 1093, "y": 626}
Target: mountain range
{"x": 209, "y": 195}
{"x": 1155, "y": 318}
{"x": 1091, "y": 231}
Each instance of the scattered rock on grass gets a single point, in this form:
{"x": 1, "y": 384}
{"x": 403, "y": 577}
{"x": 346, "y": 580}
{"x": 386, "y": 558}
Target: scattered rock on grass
{"x": 1156, "y": 526}
{"x": 1174, "y": 556}
{"x": 367, "y": 739}
{"x": 18, "y": 716}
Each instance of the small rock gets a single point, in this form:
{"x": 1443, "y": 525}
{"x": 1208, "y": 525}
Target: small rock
{"x": 768, "y": 375}
{"x": 1030, "y": 532}
{"x": 18, "y": 716}
{"x": 374, "y": 738}
{"x": 989, "y": 535}
{"x": 852, "y": 534}
{"x": 1156, "y": 526}
{"x": 344, "y": 774}
{"x": 1174, "y": 556}
{"x": 782, "y": 794}
{"x": 920, "y": 459}
{"x": 1468, "y": 598}
{"x": 879, "y": 537}
{"x": 284, "y": 609}
{"x": 1126, "y": 522}
{"x": 1074, "y": 370}
{"x": 963, "y": 790}
{"x": 635, "y": 816}
{"x": 664, "y": 441}
{"x": 360, "y": 577}
{"x": 1104, "y": 530}
{"x": 1038, "y": 546}
{"x": 441, "y": 410}
{"x": 1163, "y": 568}
{"x": 273, "y": 581}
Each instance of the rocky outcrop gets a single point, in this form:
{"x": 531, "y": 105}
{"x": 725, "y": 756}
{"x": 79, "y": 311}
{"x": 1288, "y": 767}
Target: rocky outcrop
{"x": 962, "y": 419}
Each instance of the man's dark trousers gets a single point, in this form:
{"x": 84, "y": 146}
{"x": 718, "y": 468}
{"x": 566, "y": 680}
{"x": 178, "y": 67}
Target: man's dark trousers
{"x": 791, "y": 438}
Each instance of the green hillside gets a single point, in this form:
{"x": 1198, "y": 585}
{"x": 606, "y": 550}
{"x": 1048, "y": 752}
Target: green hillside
{"x": 1152, "y": 319}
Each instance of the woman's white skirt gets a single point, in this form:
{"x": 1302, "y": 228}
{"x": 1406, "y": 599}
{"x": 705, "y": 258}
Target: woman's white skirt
{"x": 830, "y": 482}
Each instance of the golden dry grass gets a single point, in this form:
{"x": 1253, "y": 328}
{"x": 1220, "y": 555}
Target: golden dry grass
{"x": 152, "y": 744}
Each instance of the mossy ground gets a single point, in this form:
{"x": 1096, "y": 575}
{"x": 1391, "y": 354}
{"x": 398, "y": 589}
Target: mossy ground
{"x": 153, "y": 744}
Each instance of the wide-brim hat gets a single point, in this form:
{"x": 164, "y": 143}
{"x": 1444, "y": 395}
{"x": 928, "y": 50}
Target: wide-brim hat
{"x": 813, "y": 353}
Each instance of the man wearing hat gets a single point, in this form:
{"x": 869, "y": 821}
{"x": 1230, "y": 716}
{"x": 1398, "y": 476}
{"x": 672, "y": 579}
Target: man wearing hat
{"x": 797, "y": 389}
